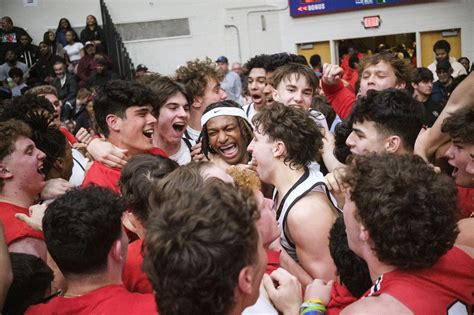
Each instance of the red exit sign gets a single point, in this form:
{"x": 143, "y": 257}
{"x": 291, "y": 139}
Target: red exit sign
{"x": 372, "y": 21}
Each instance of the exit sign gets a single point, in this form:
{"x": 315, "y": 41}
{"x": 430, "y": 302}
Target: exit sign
{"x": 371, "y": 21}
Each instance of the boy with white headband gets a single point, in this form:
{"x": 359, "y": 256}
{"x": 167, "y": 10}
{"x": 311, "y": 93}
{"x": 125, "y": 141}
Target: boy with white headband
{"x": 226, "y": 133}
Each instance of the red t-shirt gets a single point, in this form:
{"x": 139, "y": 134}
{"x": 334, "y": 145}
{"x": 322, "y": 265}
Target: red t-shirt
{"x": 15, "y": 229}
{"x": 447, "y": 285}
{"x": 69, "y": 136}
{"x": 134, "y": 279}
{"x": 273, "y": 261}
{"x": 111, "y": 299}
{"x": 101, "y": 175}
{"x": 340, "y": 298}
{"x": 465, "y": 201}
{"x": 158, "y": 151}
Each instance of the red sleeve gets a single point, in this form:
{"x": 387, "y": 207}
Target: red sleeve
{"x": 81, "y": 69}
{"x": 134, "y": 279}
{"x": 69, "y": 136}
{"x": 15, "y": 229}
{"x": 273, "y": 261}
{"x": 341, "y": 98}
{"x": 158, "y": 151}
{"x": 102, "y": 176}
{"x": 465, "y": 201}
{"x": 340, "y": 298}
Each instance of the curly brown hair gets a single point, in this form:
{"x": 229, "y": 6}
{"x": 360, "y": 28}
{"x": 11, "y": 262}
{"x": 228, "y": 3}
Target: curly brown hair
{"x": 404, "y": 71}
{"x": 10, "y": 131}
{"x": 301, "y": 135}
{"x": 196, "y": 246}
{"x": 42, "y": 89}
{"x": 244, "y": 178}
{"x": 195, "y": 75}
{"x": 408, "y": 209}
{"x": 460, "y": 125}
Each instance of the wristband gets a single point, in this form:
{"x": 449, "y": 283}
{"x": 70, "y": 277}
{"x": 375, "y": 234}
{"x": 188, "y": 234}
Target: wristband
{"x": 312, "y": 307}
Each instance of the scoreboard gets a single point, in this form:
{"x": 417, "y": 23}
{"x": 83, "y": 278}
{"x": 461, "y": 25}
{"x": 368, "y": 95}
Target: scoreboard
{"x": 312, "y": 7}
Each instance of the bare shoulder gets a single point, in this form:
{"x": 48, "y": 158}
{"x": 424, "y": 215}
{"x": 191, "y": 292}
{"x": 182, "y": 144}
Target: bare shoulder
{"x": 29, "y": 245}
{"x": 467, "y": 249}
{"x": 382, "y": 304}
{"x": 466, "y": 232}
{"x": 313, "y": 205}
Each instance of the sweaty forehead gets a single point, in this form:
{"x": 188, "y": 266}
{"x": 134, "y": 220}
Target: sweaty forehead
{"x": 257, "y": 72}
{"x": 295, "y": 80}
{"x": 382, "y": 66}
{"x": 220, "y": 122}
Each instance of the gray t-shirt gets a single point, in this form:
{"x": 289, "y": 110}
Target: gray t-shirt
{"x": 232, "y": 86}
{"x": 5, "y": 68}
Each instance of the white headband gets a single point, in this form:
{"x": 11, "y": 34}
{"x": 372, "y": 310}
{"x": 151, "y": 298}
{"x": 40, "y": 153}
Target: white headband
{"x": 222, "y": 111}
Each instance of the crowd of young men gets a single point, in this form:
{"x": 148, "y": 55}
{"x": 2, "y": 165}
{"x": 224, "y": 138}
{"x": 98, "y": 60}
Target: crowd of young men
{"x": 158, "y": 225}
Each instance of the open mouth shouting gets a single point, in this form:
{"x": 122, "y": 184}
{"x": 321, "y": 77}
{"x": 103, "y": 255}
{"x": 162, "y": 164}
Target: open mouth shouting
{"x": 229, "y": 151}
{"x": 179, "y": 126}
{"x": 148, "y": 133}
{"x": 40, "y": 170}
{"x": 257, "y": 98}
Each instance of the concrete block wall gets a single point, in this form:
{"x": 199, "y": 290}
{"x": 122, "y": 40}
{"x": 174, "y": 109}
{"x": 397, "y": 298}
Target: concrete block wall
{"x": 265, "y": 26}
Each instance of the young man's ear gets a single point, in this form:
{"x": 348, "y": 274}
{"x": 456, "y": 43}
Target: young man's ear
{"x": 393, "y": 144}
{"x": 4, "y": 172}
{"x": 246, "y": 279}
{"x": 279, "y": 149}
{"x": 276, "y": 96}
{"x": 116, "y": 252}
{"x": 197, "y": 102}
{"x": 114, "y": 122}
{"x": 131, "y": 223}
{"x": 363, "y": 233}
{"x": 58, "y": 164}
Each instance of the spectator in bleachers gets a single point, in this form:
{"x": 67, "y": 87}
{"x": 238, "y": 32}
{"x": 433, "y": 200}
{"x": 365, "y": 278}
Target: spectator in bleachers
{"x": 56, "y": 48}
{"x": 63, "y": 27}
{"x": 20, "y": 85}
{"x": 80, "y": 111}
{"x": 74, "y": 50}
{"x": 43, "y": 72}
{"x": 466, "y": 64}
{"x": 101, "y": 75}
{"x": 27, "y": 52}
{"x": 64, "y": 82}
{"x": 94, "y": 33}
{"x": 11, "y": 62}
{"x": 9, "y": 36}
{"x": 87, "y": 65}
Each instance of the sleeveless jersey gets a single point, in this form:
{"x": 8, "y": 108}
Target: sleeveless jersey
{"x": 446, "y": 288}
{"x": 311, "y": 180}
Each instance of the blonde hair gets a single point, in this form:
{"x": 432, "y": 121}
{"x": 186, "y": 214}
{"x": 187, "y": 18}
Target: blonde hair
{"x": 245, "y": 178}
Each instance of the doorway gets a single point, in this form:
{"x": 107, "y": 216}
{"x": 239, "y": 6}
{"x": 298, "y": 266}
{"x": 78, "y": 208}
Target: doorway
{"x": 428, "y": 39}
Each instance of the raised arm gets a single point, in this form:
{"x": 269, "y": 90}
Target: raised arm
{"x": 340, "y": 97}
{"x": 430, "y": 140}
